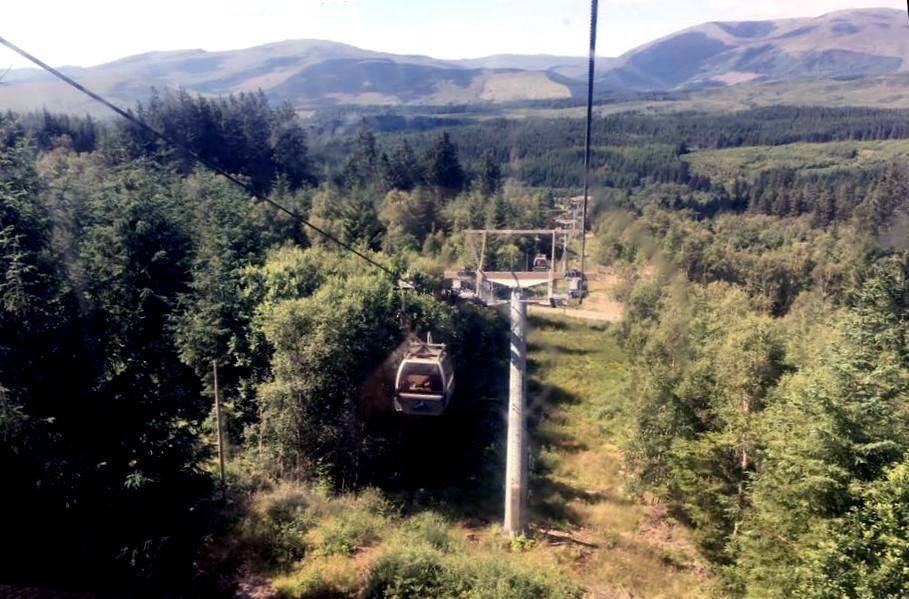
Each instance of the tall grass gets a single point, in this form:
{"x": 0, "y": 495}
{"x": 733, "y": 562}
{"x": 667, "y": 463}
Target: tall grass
{"x": 310, "y": 544}
{"x": 609, "y": 540}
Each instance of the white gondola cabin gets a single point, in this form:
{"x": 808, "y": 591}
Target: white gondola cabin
{"x": 540, "y": 263}
{"x": 577, "y": 283}
{"x": 425, "y": 381}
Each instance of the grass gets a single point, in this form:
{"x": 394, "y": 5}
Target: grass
{"x": 298, "y": 541}
{"x": 879, "y": 92}
{"x": 729, "y": 164}
{"x": 610, "y": 542}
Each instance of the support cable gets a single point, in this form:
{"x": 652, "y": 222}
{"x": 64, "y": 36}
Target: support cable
{"x": 590, "y": 75}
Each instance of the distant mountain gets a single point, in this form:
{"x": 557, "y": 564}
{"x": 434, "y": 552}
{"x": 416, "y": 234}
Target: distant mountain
{"x": 844, "y": 45}
{"x": 308, "y": 73}
{"x": 839, "y": 45}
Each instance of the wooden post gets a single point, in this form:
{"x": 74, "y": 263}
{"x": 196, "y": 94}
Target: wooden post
{"x": 220, "y": 430}
{"x": 481, "y": 279}
{"x": 515, "y": 471}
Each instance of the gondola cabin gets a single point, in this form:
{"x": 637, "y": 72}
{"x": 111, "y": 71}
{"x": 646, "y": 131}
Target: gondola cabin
{"x": 540, "y": 263}
{"x": 425, "y": 381}
{"x": 577, "y": 283}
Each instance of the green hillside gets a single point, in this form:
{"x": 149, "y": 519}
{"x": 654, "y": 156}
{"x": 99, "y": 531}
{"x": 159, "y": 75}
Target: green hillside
{"x": 725, "y": 414}
{"x": 743, "y": 163}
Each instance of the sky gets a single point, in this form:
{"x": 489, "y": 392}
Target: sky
{"x": 90, "y": 32}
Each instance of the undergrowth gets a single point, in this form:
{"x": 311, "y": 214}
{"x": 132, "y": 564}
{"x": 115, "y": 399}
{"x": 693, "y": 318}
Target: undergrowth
{"x": 587, "y": 535}
{"x": 308, "y": 544}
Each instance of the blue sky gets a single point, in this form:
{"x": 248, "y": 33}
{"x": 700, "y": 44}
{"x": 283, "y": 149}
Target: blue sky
{"x": 90, "y": 32}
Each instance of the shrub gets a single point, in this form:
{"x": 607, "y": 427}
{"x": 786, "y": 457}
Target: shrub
{"x": 507, "y": 579}
{"x": 407, "y": 573}
{"x": 273, "y": 533}
{"x": 429, "y": 528}
{"x": 287, "y": 522}
{"x": 425, "y": 572}
{"x": 345, "y": 533}
{"x": 321, "y": 578}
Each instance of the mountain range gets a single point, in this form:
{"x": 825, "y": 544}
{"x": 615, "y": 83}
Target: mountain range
{"x": 844, "y": 45}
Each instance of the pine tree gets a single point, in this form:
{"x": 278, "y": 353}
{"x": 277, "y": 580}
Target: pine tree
{"x": 490, "y": 179}
{"x": 443, "y": 170}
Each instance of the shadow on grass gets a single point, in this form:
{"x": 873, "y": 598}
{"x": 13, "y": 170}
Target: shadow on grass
{"x": 544, "y": 399}
{"x": 544, "y": 323}
{"x": 534, "y": 347}
{"x": 552, "y": 502}
{"x": 543, "y": 421}
{"x": 453, "y": 464}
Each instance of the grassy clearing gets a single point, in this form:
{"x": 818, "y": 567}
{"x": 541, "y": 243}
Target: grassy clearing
{"x": 612, "y": 544}
{"x": 732, "y": 163}
{"x": 882, "y": 92}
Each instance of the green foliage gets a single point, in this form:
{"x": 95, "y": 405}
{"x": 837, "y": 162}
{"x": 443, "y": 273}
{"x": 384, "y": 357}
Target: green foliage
{"x": 773, "y": 260}
{"x": 756, "y": 433}
{"x": 315, "y": 543}
{"x": 443, "y": 169}
{"x": 287, "y": 523}
{"x": 407, "y": 572}
{"x": 323, "y": 345}
{"x": 408, "y": 218}
{"x": 520, "y": 544}
{"x": 490, "y": 176}
{"x": 706, "y": 371}
{"x": 401, "y": 170}
{"x": 866, "y": 552}
{"x": 240, "y": 134}
{"x": 422, "y": 571}
{"x": 344, "y": 535}
{"x": 770, "y": 366}
{"x": 843, "y": 429}
{"x": 350, "y": 216}
{"x": 102, "y": 415}
{"x": 213, "y": 319}
{"x": 362, "y": 168}
{"x": 428, "y": 528}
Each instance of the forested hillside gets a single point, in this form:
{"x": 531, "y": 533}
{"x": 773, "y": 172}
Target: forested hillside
{"x": 764, "y": 262}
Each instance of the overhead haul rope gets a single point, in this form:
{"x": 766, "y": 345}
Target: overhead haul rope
{"x": 590, "y": 75}
{"x": 195, "y": 155}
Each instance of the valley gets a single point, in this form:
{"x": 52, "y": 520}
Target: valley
{"x": 206, "y": 310}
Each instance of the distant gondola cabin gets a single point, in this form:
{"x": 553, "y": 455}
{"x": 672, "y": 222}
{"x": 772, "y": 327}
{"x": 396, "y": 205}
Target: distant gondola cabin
{"x": 541, "y": 263}
{"x": 577, "y": 283}
{"x": 425, "y": 381}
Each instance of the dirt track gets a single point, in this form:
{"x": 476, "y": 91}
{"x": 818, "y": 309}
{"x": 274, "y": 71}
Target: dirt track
{"x": 579, "y": 313}
{"x": 598, "y": 306}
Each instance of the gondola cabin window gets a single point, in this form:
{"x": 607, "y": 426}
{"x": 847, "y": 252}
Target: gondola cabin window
{"x": 422, "y": 378}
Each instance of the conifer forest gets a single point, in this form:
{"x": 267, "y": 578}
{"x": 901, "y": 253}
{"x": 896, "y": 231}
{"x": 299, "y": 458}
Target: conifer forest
{"x": 741, "y": 430}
